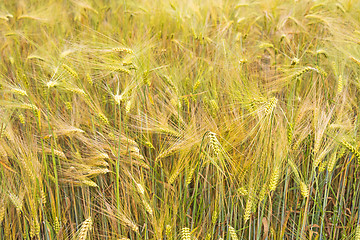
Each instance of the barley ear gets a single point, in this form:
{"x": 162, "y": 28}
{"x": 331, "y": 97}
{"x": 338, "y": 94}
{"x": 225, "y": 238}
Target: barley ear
{"x": 85, "y": 228}
{"x": 233, "y": 233}
{"x": 168, "y": 231}
{"x": 56, "y": 225}
{"x": 248, "y": 208}
{"x": 357, "y": 232}
{"x": 304, "y": 189}
{"x": 185, "y": 234}
{"x": 2, "y": 213}
{"x": 275, "y": 176}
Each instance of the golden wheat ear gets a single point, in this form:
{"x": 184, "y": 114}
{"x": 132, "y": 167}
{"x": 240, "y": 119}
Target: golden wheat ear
{"x": 84, "y": 229}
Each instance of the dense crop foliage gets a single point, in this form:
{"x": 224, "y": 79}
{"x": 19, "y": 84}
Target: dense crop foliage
{"x": 194, "y": 119}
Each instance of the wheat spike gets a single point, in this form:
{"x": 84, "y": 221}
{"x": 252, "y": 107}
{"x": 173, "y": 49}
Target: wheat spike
{"x": 2, "y": 213}
{"x": 269, "y": 108}
{"x": 248, "y": 208}
{"x": 89, "y": 183}
{"x": 196, "y": 85}
{"x": 334, "y": 68}
{"x": 323, "y": 165}
{"x": 85, "y": 227}
{"x": 140, "y": 188}
{"x": 56, "y": 225}
{"x": 242, "y": 191}
{"x": 170, "y": 83}
{"x": 7, "y": 231}
{"x": 233, "y": 233}
{"x": 355, "y": 60}
{"x": 214, "y": 143}
{"x": 34, "y": 228}
{"x": 98, "y": 171}
{"x": 89, "y": 79}
{"x": 122, "y": 49}
{"x": 119, "y": 70}
{"x": 77, "y": 91}
{"x": 146, "y": 79}
{"x": 190, "y": 176}
{"x": 303, "y": 71}
{"x": 357, "y": 232}
{"x": 351, "y": 149}
{"x": 17, "y": 202}
{"x": 103, "y": 118}
{"x": 186, "y": 101}
{"x": 185, "y": 234}
{"x": 290, "y": 131}
{"x": 263, "y": 192}
{"x": 147, "y": 207}
{"x": 274, "y": 179}
{"x": 321, "y": 71}
{"x": 173, "y": 177}
{"x": 43, "y": 197}
{"x": 331, "y": 163}
{"x": 19, "y": 91}
{"x": 319, "y": 159}
{"x": 21, "y": 118}
{"x": 168, "y": 231}
{"x": 68, "y": 105}
{"x": 214, "y": 216}
{"x": 70, "y": 71}
{"x": 340, "y": 84}
{"x": 304, "y": 189}
{"x": 30, "y": 106}
{"x": 214, "y": 106}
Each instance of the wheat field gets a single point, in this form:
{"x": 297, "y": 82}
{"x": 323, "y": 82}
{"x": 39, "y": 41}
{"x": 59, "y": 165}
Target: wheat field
{"x": 179, "y": 119}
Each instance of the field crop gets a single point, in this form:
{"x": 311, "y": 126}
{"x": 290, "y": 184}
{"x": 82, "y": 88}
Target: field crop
{"x": 179, "y": 119}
